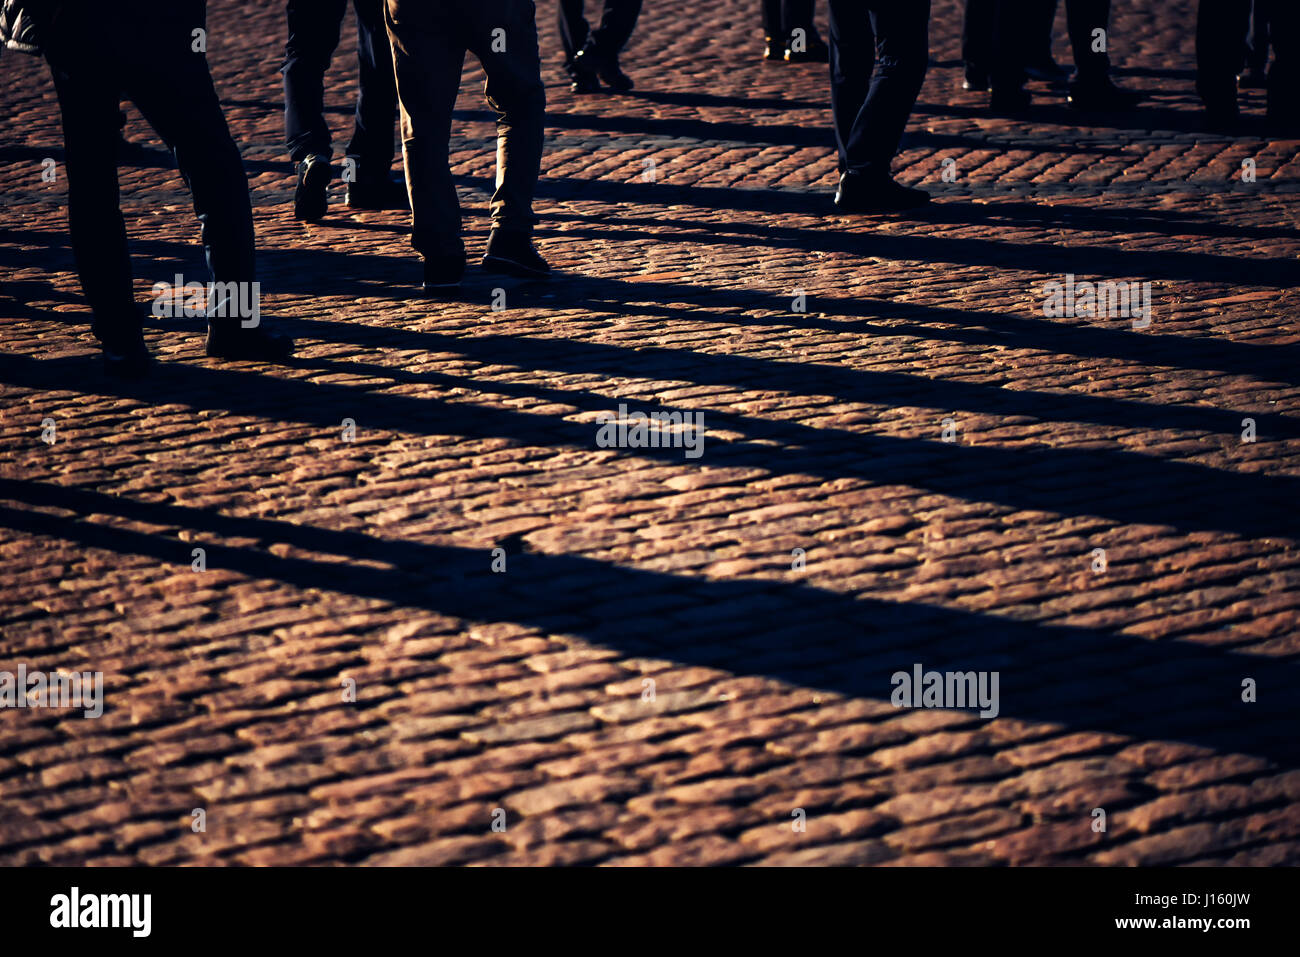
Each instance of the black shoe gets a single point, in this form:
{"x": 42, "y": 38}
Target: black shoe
{"x": 583, "y": 68}
{"x": 1010, "y": 102}
{"x": 1102, "y": 97}
{"x": 1048, "y": 71}
{"x": 612, "y": 75}
{"x": 815, "y": 51}
{"x": 513, "y": 255}
{"x": 584, "y": 83}
{"x": 310, "y": 198}
{"x": 372, "y": 191}
{"x": 858, "y": 194}
{"x": 1253, "y": 79}
{"x": 443, "y": 272}
{"x": 127, "y": 357}
{"x": 232, "y": 341}
{"x": 773, "y": 50}
{"x": 975, "y": 78}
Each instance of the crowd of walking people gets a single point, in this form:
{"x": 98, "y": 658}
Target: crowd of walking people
{"x": 411, "y": 54}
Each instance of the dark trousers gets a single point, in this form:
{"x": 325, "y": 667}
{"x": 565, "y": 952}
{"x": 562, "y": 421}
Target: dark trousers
{"x": 430, "y": 39}
{"x": 1220, "y": 50}
{"x": 314, "y": 27}
{"x": 1257, "y": 37}
{"x": 879, "y": 53}
{"x": 1006, "y": 35}
{"x": 1083, "y": 18}
{"x": 1029, "y": 26}
{"x": 141, "y": 49}
{"x": 1221, "y": 27}
{"x": 617, "y": 21}
{"x": 782, "y": 17}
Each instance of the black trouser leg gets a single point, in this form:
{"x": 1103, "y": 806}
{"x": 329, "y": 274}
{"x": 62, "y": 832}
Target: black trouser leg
{"x": 430, "y": 38}
{"x": 772, "y": 26}
{"x": 88, "y": 98}
{"x": 879, "y": 55}
{"x": 617, "y": 22}
{"x": 175, "y": 94}
{"x": 1284, "y": 74}
{"x": 313, "y": 35}
{"x": 977, "y": 33}
{"x": 574, "y": 29}
{"x": 1220, "y": 48}
{"x": 372, "y": 138}
{"x": 1013, "y": 36}
{"x": 1257, "y": 38}
{"x": 797, "y": 15}
{"x": 1083, "y": 19}
{"x": 1039, "y": 32}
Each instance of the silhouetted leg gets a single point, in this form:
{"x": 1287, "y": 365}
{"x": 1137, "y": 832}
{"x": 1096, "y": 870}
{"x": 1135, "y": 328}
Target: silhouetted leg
{"x": 173, "y": 89}
{"x": 977, "y": 34}
{"x": 616, "y": 25}
{"x": 514, "y": 90}
{"x": 1284, "y": 74}
{"x": 313, "y": 34}
{"x": 372, "y": 138}
{"x": 1013, "y": 35}
{"x": 798, "y": 15}
{"x": 1083, "y": 19}
{"x": 428, "y": 57}
{"x": 853, "y": 58}
{"x": 772, "y": 25}
{"x": 85, "y": 82}
{"x": 1220, "y": 41}
{"x": 574, "y": 29}
{"x": 1257, "y": 39}
{"x": 897, "y": 36}
{"x": 1038, "y": 31}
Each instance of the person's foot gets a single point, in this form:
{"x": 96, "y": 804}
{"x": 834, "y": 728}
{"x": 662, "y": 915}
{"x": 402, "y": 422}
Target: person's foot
{"x": 126, "y": 356}
{"x": 232, "y": 341}
{"x": 612, "y": 75}
{"x": 376, "y": 190}
{"x": 860, "y": 194}
{"x": 310, "y": 198}
{"x": 1102, "y": 96}
{"x": 583, "y": 82}
{"x": 1048, "y": 71}
{"x": 976, "y": 78}
{"x": 814, "y": 50}
{"x": 1010, "y": 101}
{"x": 512, "y": 254}
{"x": 773, "y": 50}
{"x": 443, "y": 272}
{"x": 1254, "y": 78}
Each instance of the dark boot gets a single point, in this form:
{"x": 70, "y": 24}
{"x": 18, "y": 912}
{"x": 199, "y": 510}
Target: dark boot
{"x": 512, "y": 254}
{"x": 374, "y": 188}
{"x": 311, "y": 197}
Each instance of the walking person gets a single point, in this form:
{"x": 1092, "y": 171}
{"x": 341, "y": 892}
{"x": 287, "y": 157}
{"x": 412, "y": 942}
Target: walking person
{"x": 147, "y": 51}
{"x": 430, "y": 39}
{"x": 879, "y": 52}
{"x": 592, "y": 56}
{"x": 1221, "y": 30}
{"x": 314, "y": 28}
{"x": 1015, "y": 43}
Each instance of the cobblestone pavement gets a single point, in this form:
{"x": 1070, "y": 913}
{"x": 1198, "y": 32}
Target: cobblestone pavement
{"x": 655, "y": 679}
